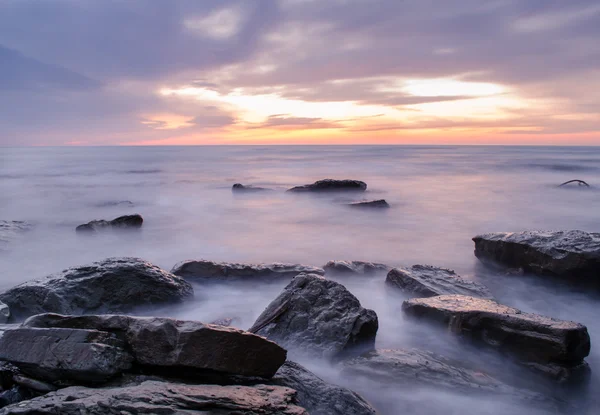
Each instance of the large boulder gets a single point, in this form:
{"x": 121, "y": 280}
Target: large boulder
{"x": 122, "y": 222}
{"x": 222, "y": 271}
{"x": 155, "y": 397}
{"x": 331, "y": 185}
{"x": 318, "y": 396}
{"x": 546, "y": 343}
{"x": 65, "y": 354}
{"x": 354, "y": 267}
{"x": 573, "y": 255}
{"x": 191, "y": 345}
{"x": 428, "y": 281}
{"x": 114, "y": 285}
{"x": 371, "y": 204}
{"x": 319, "y": 317}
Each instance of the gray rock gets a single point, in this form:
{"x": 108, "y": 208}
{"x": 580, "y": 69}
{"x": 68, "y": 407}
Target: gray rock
{"x": 533, "y": 338}
{"x": 222, "y": 271}
{"x": 11, "y": 230}
{"x": 122, "y": 222}
{"x": 238, "y": 187}
{"x": 371, "y": 204}
{"x": 114, "y": 285}
{"x": 320, "y": 317}
{"x": 573, "y": 255}
{"x": 14, "y": 395}
{"x": 34, "y": 384}
{"x": 4, "y": 313}
{"x": 164, "y": 342}
{"x": 428, "y": 281}
{"x": 65, "y": 354}
{"x": 153, "y": 397}
{"x": 354, "y": 267}
{"x": 318, "y": 396}
{"x": 330, "y": 185}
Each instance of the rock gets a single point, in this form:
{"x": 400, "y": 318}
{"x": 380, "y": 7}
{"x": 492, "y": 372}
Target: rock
{"x": 34, "y": 384}
{"x": 318, "y": 396}
{"x": 379, "y": 204}
{"x": 154, "y": 397}
{"x": 573, "y": 255}
{"x": 114, "y": 285}
{"x": 238, "y": 187}
{"x": 115, "y": 203}
{"x": 122, "y": 222}
{"x": 10, "y": 230}
{"x": 330, "y": 185}
{"x": 428, "y": 281}
{"x": 164, "y": 342}
{"x": 225, "y": 322}
{"x": 13, "y": 396}
{"x": 319, "y": 317}
{"x": 65, "y": 354}
{"x": 354, "y": 267}
{"x": 4, "y": 313}
{"x": 533, "y": 338}
{"x": 222, "y": 271}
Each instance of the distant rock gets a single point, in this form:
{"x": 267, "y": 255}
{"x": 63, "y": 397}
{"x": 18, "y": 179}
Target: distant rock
{"x": 10, "y": 230}
{"x": 428, "y": 281}
{"x": 203, "y": 270}
{"x": 377, "y": 204}
{"x": 238, "y": 187}
{"x": 116, "y": 203}
{"x": 330, "y": 185}
{"x": 553, "y": 346}
{"x": 122, "y": 222}
{"x": 318, "y": 317}
{"x": 114, "y": 285}
{"x": 354, "y": 267}
{"x": 573, "y": 255}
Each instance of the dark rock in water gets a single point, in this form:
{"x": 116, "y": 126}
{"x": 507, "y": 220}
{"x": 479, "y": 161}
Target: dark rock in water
{"x": 122, "y": 222}
{"x": 330, "y": 185}
{"x": 576, "y": 181}
{"x": 65, "y": 354}
{"x": 543, "y": 341}
{"x": 320, "y": 317}
{"x": 116, "y": 203}
{"x": 318, "y": 396}
{"x": 381, "y": 203}
{"x": 164, "y": 342}
{"x": 13, "y": 396}
{"x": 154, "y": 397}
{"x": 220, "y": 271}
{"x": 238, "y": 187}
{"x": 428, "y": 281}
{"x": 10, "y": 230}
{"x": 572, "y": 255}
{"x": 114, "y": 285}
{"x": 354, "y": 267}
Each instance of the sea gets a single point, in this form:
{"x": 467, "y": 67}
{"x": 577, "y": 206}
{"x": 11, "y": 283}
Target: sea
{"x": 440, "y": 197}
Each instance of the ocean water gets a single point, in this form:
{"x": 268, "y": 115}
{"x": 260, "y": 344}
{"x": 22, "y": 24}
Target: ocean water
{"x": 440, "y": 198}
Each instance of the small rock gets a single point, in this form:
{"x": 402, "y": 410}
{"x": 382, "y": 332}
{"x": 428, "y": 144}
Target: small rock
{"x": 354, "y": 267}
{"x": 377, "y": 204}
{"x": 122, "y": 222}
{"x": 34, "y": 384}
{"x": 238, "y": 187}
{"x": 330, "y": 185}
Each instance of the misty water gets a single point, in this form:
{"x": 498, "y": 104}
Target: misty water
{"x": 440, "y": 198}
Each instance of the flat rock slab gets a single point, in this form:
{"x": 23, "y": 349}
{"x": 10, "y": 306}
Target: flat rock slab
{"x": 122, "y": 222}
{"x": 222, "y": 271}
{"x": 428, "y": 281}
{"x": 164, "y": 342}
{"x": 532, "y": 337}
{"x": 65, "y": 354}
{"x": 574, "y": 255}
{"x": 154, "y": 397}
{"x": 331, "y": 185}
{"x": 320, "y": 317}
{"x": 371, "y": 204}
{"x": 115, "y": 285}
{"x": 354, "y": 267}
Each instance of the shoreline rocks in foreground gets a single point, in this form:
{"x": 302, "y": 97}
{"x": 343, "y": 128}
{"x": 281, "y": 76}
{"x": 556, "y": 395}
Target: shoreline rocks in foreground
{"x": 354, "y": 267}
{"x": 555, "y": 347}
{"x": 429, "y": 281}
{"x": 122, "y": 222}
{"x": 572, "y": 255}
{"x": 318, "y": 317}
{"x": 331, "y": 185}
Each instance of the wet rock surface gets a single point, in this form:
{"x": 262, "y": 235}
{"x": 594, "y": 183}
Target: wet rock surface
{"x": 238, "y": 187}
{"x": 115, "y": 285}
{"x": 319, "y": 317}
{"x": 573, "y": 255}
{"x": 222, "y": 271}
{"x": 370, "y": 204}
{"x": 354, "y": 267}
{"x": 122, "y": 222}
{"x": 331, "y": 185}
{"x": 428, "y": 281}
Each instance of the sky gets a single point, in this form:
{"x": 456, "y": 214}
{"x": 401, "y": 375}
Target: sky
{"x": 179, "y": 72}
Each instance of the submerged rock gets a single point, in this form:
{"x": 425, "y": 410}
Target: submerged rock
{"x": 319, "y": 317}
{"x": 331, "y": 185}
{"x": 164, "y": 342}
{"x": 318, "y": 396}
{"x": 219, "y": 271}
{"x": 114, "y": 285}
{"x": 238, "y": 187}
{"x": 428, "y": 281}
{"x": 354, "y": 267}
{"x": 10, "y": 230}
{"x": 545, "y": 342}
{"x": 122, "y": 222}
{"x": 573, "y": 255}
{"x": 378, "y": 204}
{"x": 154, "y": 397}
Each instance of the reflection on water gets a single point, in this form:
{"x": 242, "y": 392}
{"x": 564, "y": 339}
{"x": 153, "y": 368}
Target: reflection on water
{"x": 440, "y": 198}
